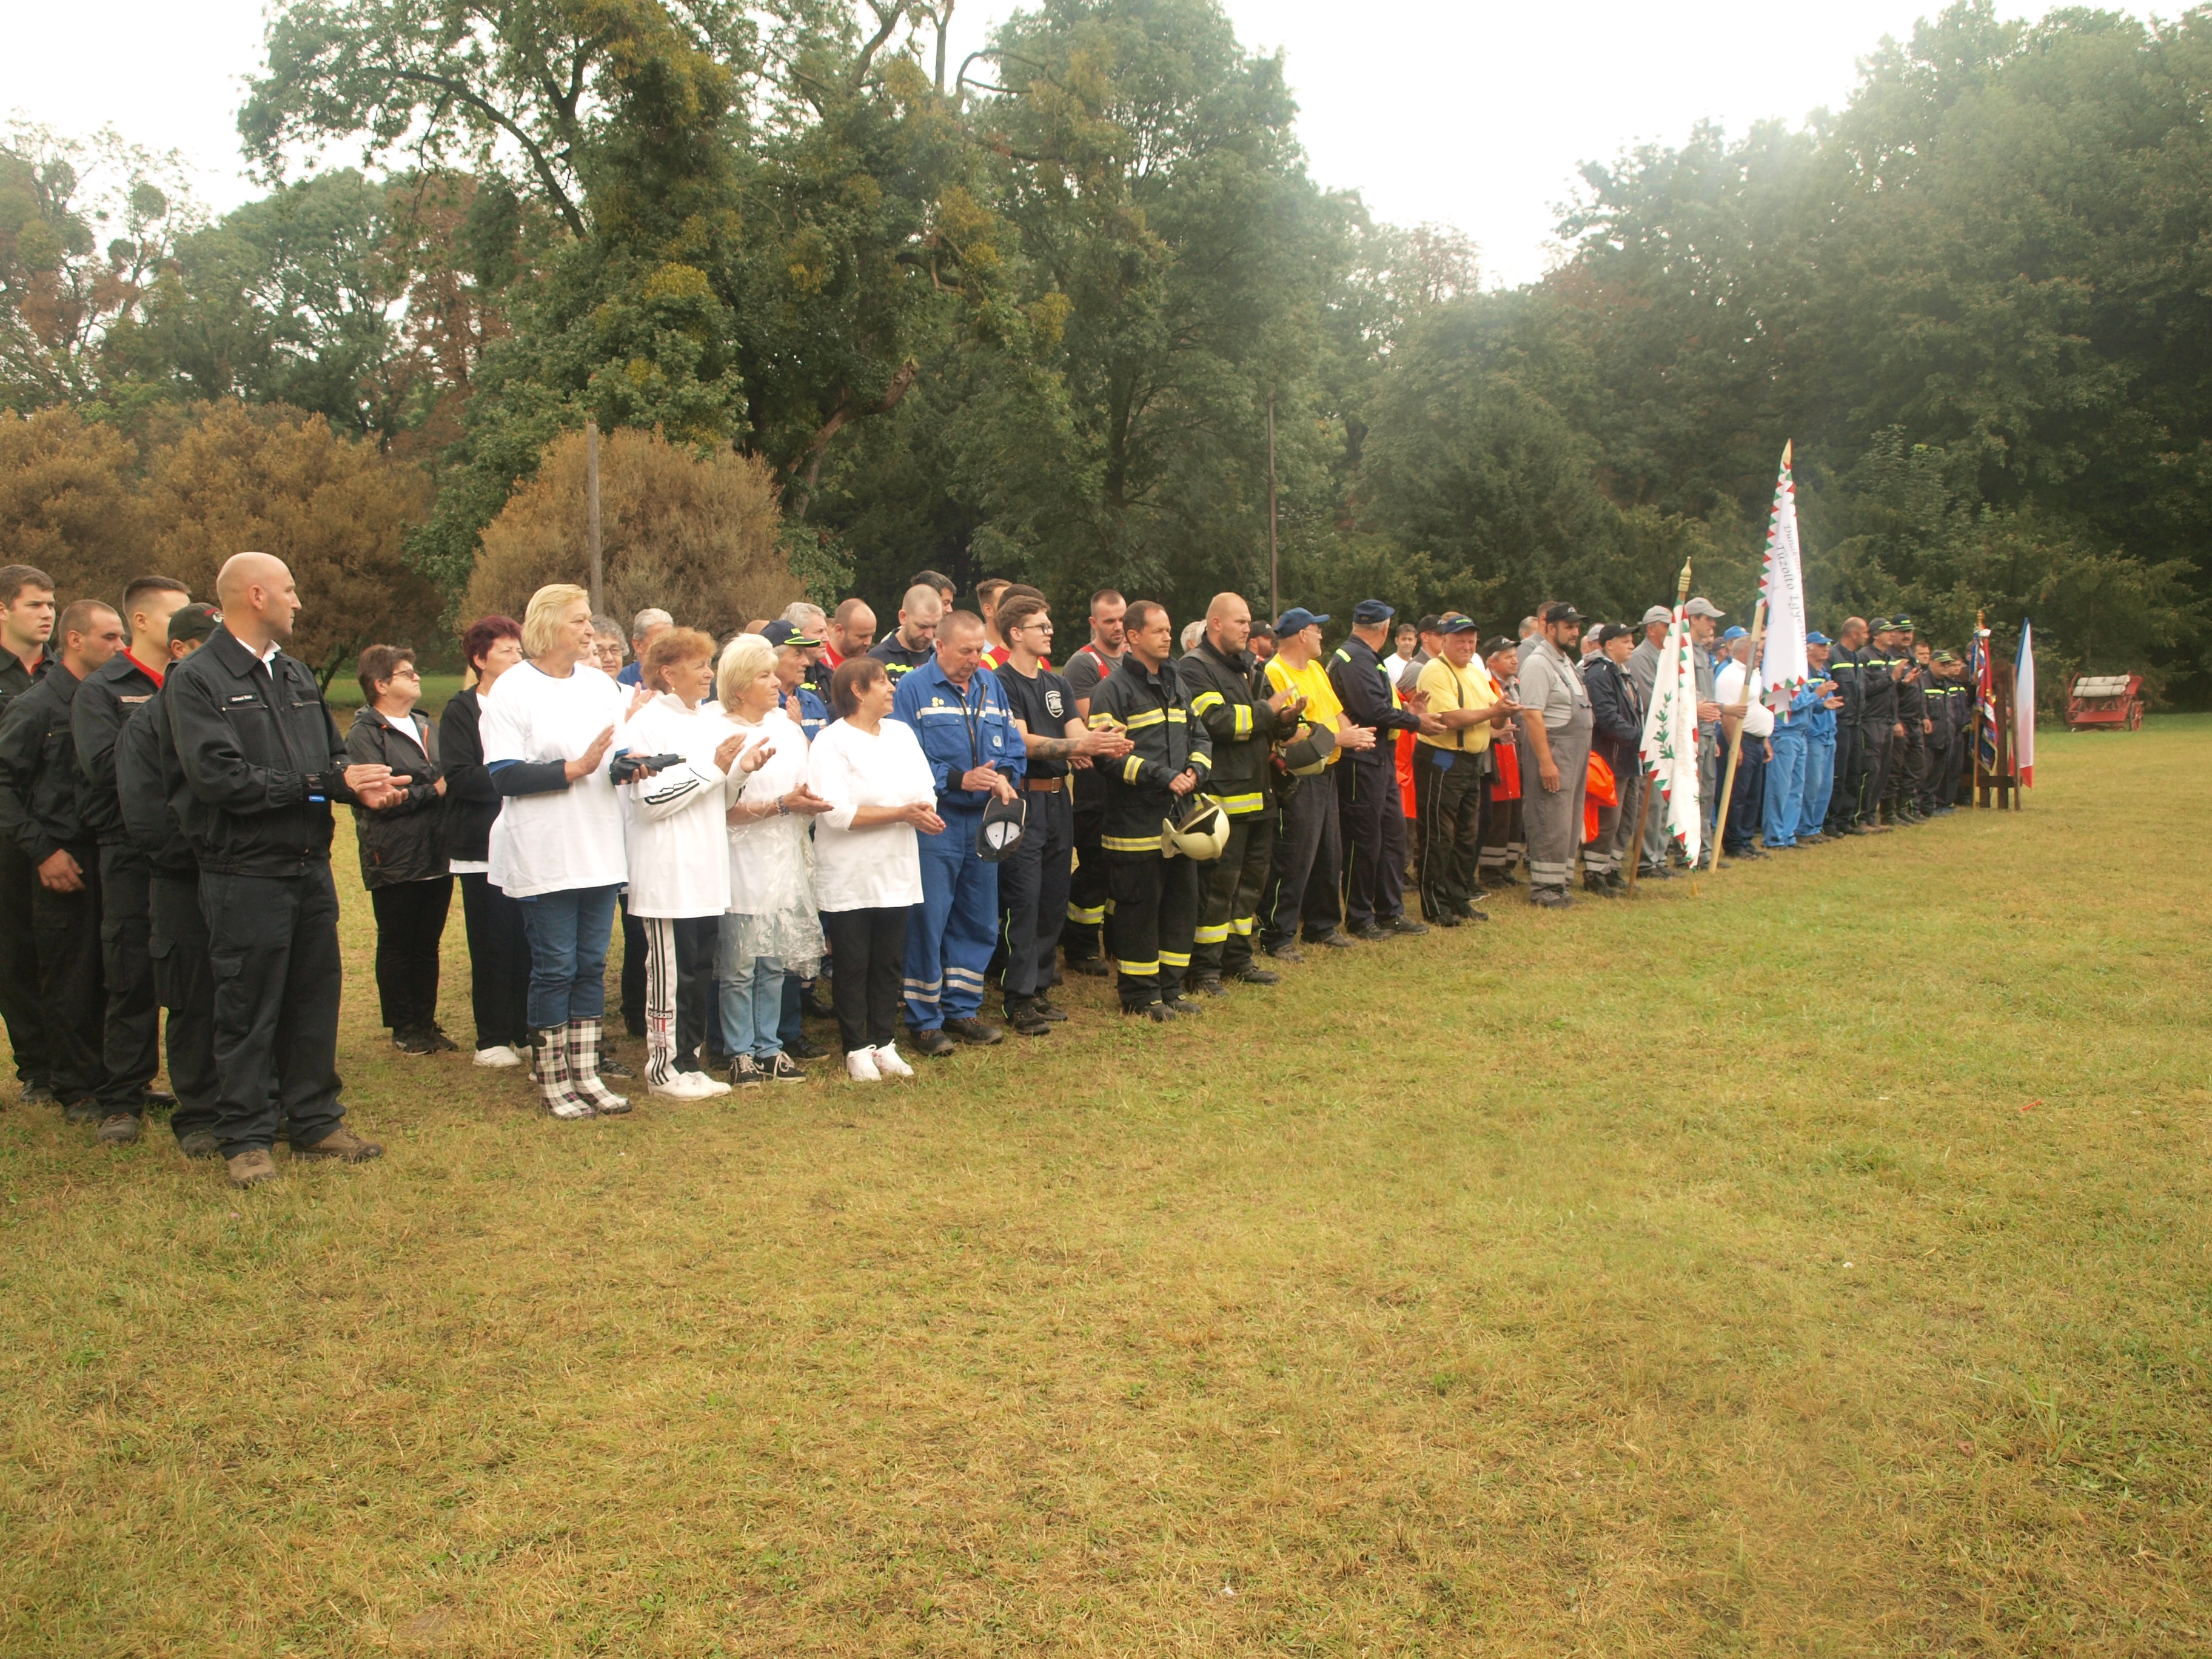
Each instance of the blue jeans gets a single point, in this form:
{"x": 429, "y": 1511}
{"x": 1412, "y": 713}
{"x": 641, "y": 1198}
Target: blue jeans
{"x": 1820, "y": 784}
{"x": 751, "y": 990}
{"x": 952, "y": 932}
{"x": 1785, "y": 788}
{"x": 568, "y": 934}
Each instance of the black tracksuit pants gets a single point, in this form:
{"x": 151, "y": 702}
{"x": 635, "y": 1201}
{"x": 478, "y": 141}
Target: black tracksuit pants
{"x": 72, "y": 996}
{"x": 273, "y": 946}
{"x": 1373, "y": 820}
{"x": 1450, "y": 798}
{"x": 19, "y": 970}
{"x": 498, "y": 963}
{"x": 177, "y": 939}
{"x": 1302, "y": 895}
{"x": 1033, "y": 888}
{"x": 1843, "y": 796}
{"x": 410, "y": 922}
{"x": 870, "y": 948}
{"x": 1881, "y": 745}
{"x": 130, "y": 1046}
{"x": 1231, "y": 891}
{"x": 633, "y": 970}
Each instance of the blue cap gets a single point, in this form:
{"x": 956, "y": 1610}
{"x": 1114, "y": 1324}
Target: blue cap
{"x": 1368, "y": 612}
{"x": 1816, "y": 637}
{"x": 1733, "y": 634}
{"x": 1294, "y": 619}
{"x": 1453, "y": 623}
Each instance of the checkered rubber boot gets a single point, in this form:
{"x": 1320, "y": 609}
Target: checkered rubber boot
{"x": 584, "y": 1069}
{"x": 548, "y": 1069}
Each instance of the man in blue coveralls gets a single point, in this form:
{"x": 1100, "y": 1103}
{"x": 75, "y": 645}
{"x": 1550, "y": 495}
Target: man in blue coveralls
{"x": 958, "y": 711}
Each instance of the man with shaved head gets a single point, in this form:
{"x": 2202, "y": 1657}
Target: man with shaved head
{"x": 915, "y": 641}
{"x": 1229, "y": 700}
{"x": 850, "y": 632}
{"x": 261, "y": 765}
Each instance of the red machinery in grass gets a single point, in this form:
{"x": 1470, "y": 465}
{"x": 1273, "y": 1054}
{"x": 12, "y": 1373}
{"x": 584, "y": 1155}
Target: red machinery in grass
{"x": 2105, "y": 701}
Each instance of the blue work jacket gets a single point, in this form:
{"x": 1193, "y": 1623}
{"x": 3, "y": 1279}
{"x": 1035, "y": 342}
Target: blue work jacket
{"x": 960, "y": 732}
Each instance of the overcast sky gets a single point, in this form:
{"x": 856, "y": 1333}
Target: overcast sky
{"x": 1463, "y": 114}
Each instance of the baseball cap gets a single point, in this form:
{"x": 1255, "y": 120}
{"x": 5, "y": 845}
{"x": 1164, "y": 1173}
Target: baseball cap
{"x": 193, "y": 622}
{"x": 1368, "y": 612}
{"x": 1453, "y": 623}
{"x": 1902, "y": 624}
{"x": 1734, "y": 633}
{"x": 1607, "y": 633}
{"x": 1657, "y": 613}
{"x": 1498, "y": 642}
{"x": 1427, "y": 624}
{"x": 781, "y": 632}
{"x": 1561, "y": 612}
{"x": 1702, "y": 607}
{"x": 1880, "y": 625}
{"x": 1816, "y": 637}
{"x": 1296, "y": 618}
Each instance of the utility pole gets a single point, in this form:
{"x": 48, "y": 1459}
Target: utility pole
{"x": 1274, "y": 572}
{"x": 592, "y": 514}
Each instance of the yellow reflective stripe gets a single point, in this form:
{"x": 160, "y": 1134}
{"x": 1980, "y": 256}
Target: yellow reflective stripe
{"x": 1243, "y": 719}
{"x": 1150, "y": 717}
{"x": 1140, "y": 968}
{"x": 1090, "y": 918}
{"x": 1170, "y": 960}
{"x": 1130, "y": 843}
{"x": 1242, "y": 925}
{"x": 1212, "y": 935}
{"x": 1206, "y": 760}
{"x": 1206, "y": 700}
{"x": 1236, "y": 805}
{"x": 1131, "y": 767}
{"x": 1174, "y": 717}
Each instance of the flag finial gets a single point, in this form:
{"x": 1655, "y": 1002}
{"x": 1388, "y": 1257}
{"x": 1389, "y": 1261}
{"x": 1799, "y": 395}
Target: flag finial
{"x": 1786, "y": 446}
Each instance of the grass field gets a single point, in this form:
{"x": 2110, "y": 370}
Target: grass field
{"x": 1816, "y": 1265}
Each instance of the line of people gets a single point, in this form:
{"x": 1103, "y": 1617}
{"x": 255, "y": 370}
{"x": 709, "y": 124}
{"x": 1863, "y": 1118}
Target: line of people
{"x": 920, "y": 820}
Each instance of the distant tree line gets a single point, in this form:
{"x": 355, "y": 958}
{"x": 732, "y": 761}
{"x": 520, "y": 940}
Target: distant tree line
{"x": 1028, "y": 315}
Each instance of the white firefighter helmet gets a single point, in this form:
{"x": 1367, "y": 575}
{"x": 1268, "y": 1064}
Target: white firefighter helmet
{"x": 1199, "y": 830}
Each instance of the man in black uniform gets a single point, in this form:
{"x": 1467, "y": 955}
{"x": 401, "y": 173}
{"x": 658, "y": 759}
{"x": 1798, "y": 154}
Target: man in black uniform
{"x": 111, "y": 695}
{"x": 1910, "y": 762}
{"x": 27, "y": 625}
{"x": 1153, "y": 918}
{"x": 1369, "y": 804}
{"x": 1243, "y": 726}
{"x": 261, "y": 766}
{"x": 1033, "y": 879}
{"x": 1086, "y": 886}
{"x": 913, "y": 641}
{"x": 1879, "y": 669}
{"x": 1846, "y": 668}
{"x": 147, "y": 772}
{"x": 41, "y": 812}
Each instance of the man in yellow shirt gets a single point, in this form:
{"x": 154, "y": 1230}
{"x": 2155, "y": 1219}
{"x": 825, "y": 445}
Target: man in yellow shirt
{"x": 1302, "y": 897}
{"x": 1451, "y": 768}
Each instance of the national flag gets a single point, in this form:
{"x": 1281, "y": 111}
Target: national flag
{"x": 1784, "y": 667}
{"x": 2023, "y": 711}
{"x": 1984, "y": 677}
{"x": 1669, "y": 748}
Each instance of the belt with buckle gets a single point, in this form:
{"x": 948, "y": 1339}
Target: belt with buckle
{"x": 1045, "y": 784}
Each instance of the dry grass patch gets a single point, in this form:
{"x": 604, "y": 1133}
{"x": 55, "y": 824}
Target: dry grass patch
{"x": 1815, "y": 1266}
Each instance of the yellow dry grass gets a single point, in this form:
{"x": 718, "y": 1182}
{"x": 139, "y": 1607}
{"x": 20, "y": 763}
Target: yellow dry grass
{"x": 1817, "y": 1266}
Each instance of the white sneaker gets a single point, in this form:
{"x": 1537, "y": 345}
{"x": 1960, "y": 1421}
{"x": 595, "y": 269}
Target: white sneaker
{"x": 500, "y": 1055}
{"x": 889, "y": 1063}
{"x": 709, "y": 1085}
{"x": 684, "y": 1085}
{"x": 860, "y": 1067}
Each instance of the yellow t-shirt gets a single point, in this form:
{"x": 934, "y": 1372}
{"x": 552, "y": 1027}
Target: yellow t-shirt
{"x": 1448, "y": 688}
{"x": 1311, "y": 683}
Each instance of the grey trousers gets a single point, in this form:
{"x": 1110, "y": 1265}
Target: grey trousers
{"x": 1552, "y": 818}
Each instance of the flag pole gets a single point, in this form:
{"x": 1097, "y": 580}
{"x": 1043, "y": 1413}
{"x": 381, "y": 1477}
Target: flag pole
{"x": 1735, "y": 742}
{"x": 1981, "y": 653}
{"x": 1643, "y": 813}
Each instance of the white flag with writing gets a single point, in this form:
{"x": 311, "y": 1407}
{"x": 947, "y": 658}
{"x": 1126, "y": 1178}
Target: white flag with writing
{"x": 1784, "y": 667}
{"x": 1670, "y": 738}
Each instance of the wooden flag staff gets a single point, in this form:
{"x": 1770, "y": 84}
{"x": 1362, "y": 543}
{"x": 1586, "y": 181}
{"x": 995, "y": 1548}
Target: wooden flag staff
{"x": 1735, "y": 742}
{"x": 1643, "y": 811}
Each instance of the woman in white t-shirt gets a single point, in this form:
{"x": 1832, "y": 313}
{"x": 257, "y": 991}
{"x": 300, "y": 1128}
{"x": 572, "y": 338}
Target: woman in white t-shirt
{"x": 867, "y": 865}
{"x": 558, "y": 845}
{"x": 771, "y": 930}
{"x": 679, "y": 859}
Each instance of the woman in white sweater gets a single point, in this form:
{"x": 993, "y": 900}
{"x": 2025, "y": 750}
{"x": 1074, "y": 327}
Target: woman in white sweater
{"x": 771, "y": 929}
{"x": 679, "y": 861}
{"x": 558, "y": 844}
{"x": 870, "y": 770}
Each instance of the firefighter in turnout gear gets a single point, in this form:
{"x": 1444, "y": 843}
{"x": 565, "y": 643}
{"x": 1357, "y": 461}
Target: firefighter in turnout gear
{"x": 1243, "y": 726}
{"x": 1153, "y": 900}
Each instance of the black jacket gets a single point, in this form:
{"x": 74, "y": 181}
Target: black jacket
{"x": 38, "y": 770}
{"x": 400, "y": 842}
{"x": 109, "y": 695}
{"x": 1153, "y": 709}
{"x": 1364, "y": 687}
{"x": 1227, "y": 698}
{"x": 260, "y": 761}
{"x": 472, "y": 799}
{"x": 1844, "y": 669}
{"x": 1616, "y": 713}
{"x": 148, "y": 774}
{"x": 1878, "y": 691}
{"x": 16, "y": 679}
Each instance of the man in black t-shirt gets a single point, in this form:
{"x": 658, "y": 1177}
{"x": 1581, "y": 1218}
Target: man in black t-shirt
{"x": 1033, "y": 881}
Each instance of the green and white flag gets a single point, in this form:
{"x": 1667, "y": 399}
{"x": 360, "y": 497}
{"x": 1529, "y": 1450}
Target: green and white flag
{"x": 1670, "y": 738}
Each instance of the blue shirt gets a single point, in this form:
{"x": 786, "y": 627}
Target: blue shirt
{"x": 959, "y": 732}
{"x": 813, "y": 713}
{"x": 632, "y": 674}
{"x": 1807, "y": 718}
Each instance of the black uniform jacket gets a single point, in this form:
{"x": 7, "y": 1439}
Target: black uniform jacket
{"x": 1242, "y": 731}
{"x": 1616, "y": 713}
{"x": 1364, "y": 687}
{"x": 260, "y": 761}
{"x": 1153, "y": 709}
{"x": 110, "y": 694}
{"x": 147, "y": 775}
{"x": 38, "y": 770}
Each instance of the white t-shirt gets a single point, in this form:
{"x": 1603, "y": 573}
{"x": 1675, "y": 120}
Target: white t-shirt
{"x": 867, "y": 869}
{"x": 1728, "y": 691}
{"x": 768, "y": 871}
{"x": 563, "y": 839}
{"x": 678, "y": 860}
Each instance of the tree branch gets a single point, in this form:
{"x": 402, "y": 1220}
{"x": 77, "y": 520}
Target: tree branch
{"x": 540, "y": 163}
